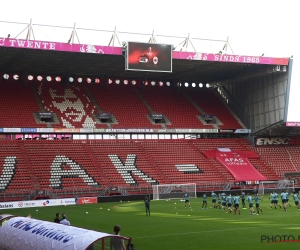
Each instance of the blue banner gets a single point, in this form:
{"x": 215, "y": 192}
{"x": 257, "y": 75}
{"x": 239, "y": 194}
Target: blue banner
{"x": 29, "y": 130}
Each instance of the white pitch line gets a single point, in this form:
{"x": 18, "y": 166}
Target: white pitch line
{"x": 209, "y": 231}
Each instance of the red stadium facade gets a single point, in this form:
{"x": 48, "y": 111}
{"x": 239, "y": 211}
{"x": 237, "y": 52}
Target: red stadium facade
{"x": 73, "y": 120}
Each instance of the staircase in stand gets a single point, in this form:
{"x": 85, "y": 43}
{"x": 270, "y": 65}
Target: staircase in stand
{"x": 34, "y": 180}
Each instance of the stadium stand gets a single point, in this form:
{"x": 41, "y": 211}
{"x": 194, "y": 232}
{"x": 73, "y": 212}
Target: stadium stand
{"x": 174, "y": 105}
{"x": 20, "y": 111}
{"x": 127, "y": 107}
{"x": 113, "y": 163}
{"x": 210, "y": 103}
{"x": 71, "y": 104}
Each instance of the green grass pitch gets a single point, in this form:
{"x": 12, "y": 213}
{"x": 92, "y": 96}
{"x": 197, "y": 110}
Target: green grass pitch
{"x": 171, "y": 226}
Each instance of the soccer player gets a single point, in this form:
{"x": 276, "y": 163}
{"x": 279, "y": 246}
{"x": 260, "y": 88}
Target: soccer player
{"x": 223, "y": 197}
{"x": 250, "y": 202}
{"x": 272, "y": 198}
{"x": 284, "y": 198}
{"x": 243, "y": 199}
{"x": 236, "y": 200}
{"x": 147, "y": 205}
{"x": 219, "y": 201}
{"x": 186, "y": 198}
{"x": 204, "y": 205}
{"x": 287, "y": 198}
{"x": 257, "y": 199}
{"x": 296, "y": 199}
{"x": 275, "y": 196}
{"x": 229, "y": 203}
{"x": 213, "y": 198}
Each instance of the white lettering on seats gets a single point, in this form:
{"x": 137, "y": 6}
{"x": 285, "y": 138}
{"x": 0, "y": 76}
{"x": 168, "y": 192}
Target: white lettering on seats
{"x": 76, "y": 171}
{"x": 126, "y": 170}
{"x": 8, "y": 172}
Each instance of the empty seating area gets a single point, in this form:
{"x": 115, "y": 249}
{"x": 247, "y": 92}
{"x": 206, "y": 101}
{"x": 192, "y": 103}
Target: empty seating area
{"x": 58, "y": 165}
{"x": 105, "y": 151}
{"x": 74, "y": 108}
{"x": 123, "y": 102}
{"x": 210, "y": 103}
{"x": 281, "y": 159}
{"x": 167, "y": 154}
{"x": 74, "y": 164}
{"x": 70, "y": 102}
{"x": 17, "y": 105}
{"x": 14, "y": 170}
{"x": 174, "y": 105}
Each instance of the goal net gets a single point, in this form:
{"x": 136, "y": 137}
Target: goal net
{"x": 277, "y": 186}
{"x": 174, "y": 191}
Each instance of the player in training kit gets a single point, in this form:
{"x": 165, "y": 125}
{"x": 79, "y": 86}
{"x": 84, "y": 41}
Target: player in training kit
{"x": 257, "y": 199}
{"x": 229, "y": 203}
{"x": 287, "y": 198}
{"x": 275, "y": 195}
{"x": 186, "y": 198}
{"x": 236, "y": 200}
{"x": 147, "y": 205}
{"x": 219, "y": 200}
{"x": 272, "y": 198}
{"x": 213, "y": 198}
{"x": 284, "y": 198}
{"x": 223, "y": 197}
{"x": 204, "y": 205}
{"x": 250, "y": 202}
{"x": 296, "y": 199}
{"x": 243, "y": 199}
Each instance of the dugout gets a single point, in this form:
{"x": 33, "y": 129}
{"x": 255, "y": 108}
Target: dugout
{"x": 27, "y": 234}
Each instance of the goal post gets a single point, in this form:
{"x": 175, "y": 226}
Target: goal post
{"x": 174, "y": 191}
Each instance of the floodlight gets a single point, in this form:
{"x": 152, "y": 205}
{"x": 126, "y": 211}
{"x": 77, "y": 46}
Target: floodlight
{"x": 168, "y": 84}
{"x": 146, "y": 83}
{"x": 58, "y": 78}
{"x": 88, "y": 80}
{"x": 30, "y": 77}
{"x": 179, "y": 84}
{"x": 71, "y": 79}
{"x": 153, "y": 83}
{"x": 207, "y": 85}
{"x": 200, "y": 85}
{"x": 117, "y": 81}
{"x": 193, "y": 85}
{"x": 133, "y": 82}
{"x": 161, "y": 83}
{"x": 186, "y": 84}
{"x": 39, "y": 78}
{"x": 97, "y": 80}
{"x": 79, "y": 79}
{"x": 16, "y": 77}
{"x": 125, "y": 82}
{"x": 5, "y": 76}
{"x": 49, "y": 78}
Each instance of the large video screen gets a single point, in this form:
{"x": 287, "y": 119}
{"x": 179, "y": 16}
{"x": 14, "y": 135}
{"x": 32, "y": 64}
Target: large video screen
{"x": 149, "y": 57}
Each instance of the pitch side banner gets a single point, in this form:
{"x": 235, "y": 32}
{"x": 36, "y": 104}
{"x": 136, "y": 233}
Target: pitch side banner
{"x": 37, "y": 203}
{"x": 87, "y": 200}
{"x": 110, "y": 50}
{"x": 288, "y": 140}
{"x": 27, "y": 234}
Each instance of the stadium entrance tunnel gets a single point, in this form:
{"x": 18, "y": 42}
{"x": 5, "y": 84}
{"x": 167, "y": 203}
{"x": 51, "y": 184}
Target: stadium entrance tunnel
{"x": 28, "y": 233}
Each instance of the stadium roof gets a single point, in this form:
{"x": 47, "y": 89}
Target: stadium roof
{"x": 45, "y": 62}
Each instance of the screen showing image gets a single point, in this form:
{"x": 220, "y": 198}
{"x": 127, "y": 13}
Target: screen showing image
{"x": 149, "y": 57}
